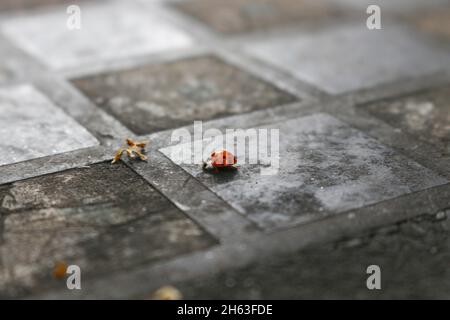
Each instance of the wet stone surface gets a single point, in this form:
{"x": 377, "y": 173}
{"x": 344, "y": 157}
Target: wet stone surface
{"x": 164, "y": 96}
{"x": 348, "y": 58}
{"x": 31, "y": 126}
{"x": 103, "y": 218}
{"x": 325, "y": 167}
{"x": 242, "y": 16}
{"x": 425, "y": 115}
{"x": 42, "y": 35}
{"x": 413, "y": 257}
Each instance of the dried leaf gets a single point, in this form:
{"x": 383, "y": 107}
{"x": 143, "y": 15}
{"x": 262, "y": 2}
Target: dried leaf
{"x": 134, "y": 149}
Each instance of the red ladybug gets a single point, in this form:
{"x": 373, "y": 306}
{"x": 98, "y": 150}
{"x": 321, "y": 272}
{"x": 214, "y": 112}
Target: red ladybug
{"x": 220, "y": 159}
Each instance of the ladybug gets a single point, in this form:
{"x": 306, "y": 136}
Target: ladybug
{"x": 220, "y": 160}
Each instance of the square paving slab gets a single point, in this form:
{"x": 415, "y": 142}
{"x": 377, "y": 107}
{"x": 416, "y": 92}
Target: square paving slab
{"x": 31, "y": 126}
{"x": 413, "y": 258}
{"x": 108, "y": 31}
{"x": 241, "y": 16}
{"x": 397, "y": 6}
{"x": 31, "y": 4}
{"x": 326, "y": 167}
{"x": 352, "y": 57}
{"x": 425, "y": 115}
{"x": 435, "y": 22}
{"x": 103, "y": 218}
{"x": 163, "y": 96}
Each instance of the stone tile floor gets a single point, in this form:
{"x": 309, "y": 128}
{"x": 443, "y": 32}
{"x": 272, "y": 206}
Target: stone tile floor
{"x": 335, "y": 61}
{"x": 326, "y": 167}
{"x": 425, "y": 115}
{"x": 41, "y": 35}
{"x": 243, "y": 16}
{"x": 417, "y": 249}
{"x": 82, "y": 216}
{"x": 152, "y": 98}
{"x": 33, "y": 127}
{"x": 364, "y": 153}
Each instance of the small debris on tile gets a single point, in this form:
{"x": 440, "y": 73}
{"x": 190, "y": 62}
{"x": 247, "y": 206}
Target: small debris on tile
{"x": 167, "y": 293}
{"x": 134, "y": 149}
{"x": 60, "y": 270}
{"x": 440, "y": 215}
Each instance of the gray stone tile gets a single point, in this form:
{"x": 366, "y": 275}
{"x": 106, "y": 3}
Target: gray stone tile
{"x": 16, "y": 5}
{"x": 413, "y": 256}
{"x": 397, "y": 6}
{"x": 103, "y": 218}
{"x": 425, "y": 115}
{"x": 31, "y": 126}
{"x": 326, "y": 167}
{"x": 352, "y": 57}
{"x": 108, "y": 31}
{"x": 163, "y": 96}
{"x": 435, "y": 22}
{"x": 242, "y": 16}
{"x": 7, "y": 74}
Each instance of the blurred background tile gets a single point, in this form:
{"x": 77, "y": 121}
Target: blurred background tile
{"x": 31, "y": 126}
{"x": 351, "y": 57}
{"x": 243, "y": 16}
{"x": 426, "y": 115}
{"x": 22, "y": 5}
{"x": 108, "y": 31}
{"x": 163, "y": 96}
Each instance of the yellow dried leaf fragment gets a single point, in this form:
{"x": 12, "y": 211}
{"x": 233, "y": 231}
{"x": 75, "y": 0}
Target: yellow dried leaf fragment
{"x": 134, "y": 149}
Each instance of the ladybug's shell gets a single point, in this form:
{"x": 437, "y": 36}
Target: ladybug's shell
{"x": 222, "y": 159}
